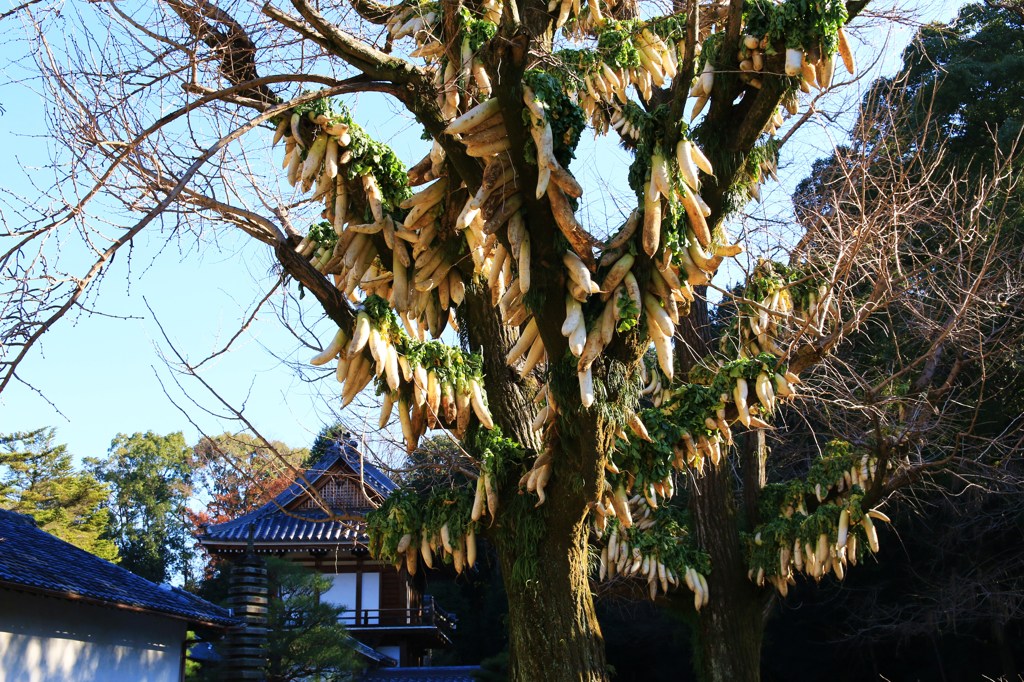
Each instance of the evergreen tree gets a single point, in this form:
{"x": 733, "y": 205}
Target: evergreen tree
{"x": 327, "y": 436}
{"x": 150, "y": 480}
{"x": 37, "y": 478}
{"x": 305, "y": 638}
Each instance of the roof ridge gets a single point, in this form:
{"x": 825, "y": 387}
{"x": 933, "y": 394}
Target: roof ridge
{"x": 268, "y": 517}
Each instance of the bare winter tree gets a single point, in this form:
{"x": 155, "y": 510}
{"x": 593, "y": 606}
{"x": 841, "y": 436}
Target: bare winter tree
{"x": 555, "y": 390}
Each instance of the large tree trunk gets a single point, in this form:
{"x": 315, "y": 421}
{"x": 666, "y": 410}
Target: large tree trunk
{"x": 544, "y": 563}
{"x": 565, "y": 645}
{"x": 543, "y": 551}
{"x": 730, "y": 629}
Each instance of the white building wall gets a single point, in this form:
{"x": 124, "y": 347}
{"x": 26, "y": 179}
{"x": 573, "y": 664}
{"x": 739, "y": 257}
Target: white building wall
{"x": 343, "y": 593}
{"x": 45, "y": 639}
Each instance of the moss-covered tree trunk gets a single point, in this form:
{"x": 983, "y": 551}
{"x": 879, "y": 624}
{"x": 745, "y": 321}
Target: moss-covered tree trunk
{"x": 543, "y": 551}
{"x": 544, "y": 562}
{"x": 566, "y": 644}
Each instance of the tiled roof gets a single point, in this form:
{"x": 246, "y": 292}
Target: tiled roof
{"x": 373, "y": 476}
{"x": 370, "y": 653}
{"x": 274, "y": 523}
{"x": 439, "y": 674}
{"x": 306, "y": 526}
{"x": 33, "y": 560}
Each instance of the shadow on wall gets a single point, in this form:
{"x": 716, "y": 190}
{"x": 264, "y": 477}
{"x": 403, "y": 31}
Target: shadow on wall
{"x": 47, "y": 639}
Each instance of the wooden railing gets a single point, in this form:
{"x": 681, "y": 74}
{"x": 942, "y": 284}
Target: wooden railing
{"x": 427, "y": 614}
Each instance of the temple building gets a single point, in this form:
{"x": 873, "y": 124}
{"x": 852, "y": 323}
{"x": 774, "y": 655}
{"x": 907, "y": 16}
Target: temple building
{"x": 320, "y": 523}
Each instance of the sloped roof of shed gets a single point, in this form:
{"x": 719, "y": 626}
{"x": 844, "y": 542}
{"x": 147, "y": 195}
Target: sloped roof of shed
{"x": 33, "y": 560}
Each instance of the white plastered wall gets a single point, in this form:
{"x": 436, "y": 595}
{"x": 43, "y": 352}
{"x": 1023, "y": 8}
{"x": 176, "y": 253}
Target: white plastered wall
{"x": 46, "y": 639}
{"x": 343, "y": 593}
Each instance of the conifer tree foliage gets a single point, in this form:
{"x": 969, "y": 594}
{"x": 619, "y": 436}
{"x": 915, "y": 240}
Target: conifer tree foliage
{"x": 306, "y": 639}
{"x": 150, "y": 480}
{"x": 612, "y": 431}
{"x": 38, "y": 478}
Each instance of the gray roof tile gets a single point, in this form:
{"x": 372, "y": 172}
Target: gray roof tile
{"x": 271, "y": 523}
{"x": 33, "y": 560}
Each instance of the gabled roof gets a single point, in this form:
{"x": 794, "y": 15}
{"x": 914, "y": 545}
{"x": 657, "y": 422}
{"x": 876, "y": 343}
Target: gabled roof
{"x": 284, "y": 521}
{"x": 338, "y": 452}
{"x": 35, "y": 561}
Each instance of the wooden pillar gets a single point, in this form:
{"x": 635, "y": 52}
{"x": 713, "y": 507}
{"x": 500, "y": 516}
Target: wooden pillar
{"x": 359, "y": 590}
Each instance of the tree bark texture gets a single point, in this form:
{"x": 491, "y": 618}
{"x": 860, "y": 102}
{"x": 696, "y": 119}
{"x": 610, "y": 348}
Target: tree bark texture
{"x": 543, "y": 551}
{"x": 508, "y": 396}
{"x": 730, "y": 628}
{"x": 545, "y": 567}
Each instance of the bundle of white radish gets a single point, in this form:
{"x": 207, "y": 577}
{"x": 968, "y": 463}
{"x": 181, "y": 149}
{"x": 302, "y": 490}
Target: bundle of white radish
{"x": 443, "y": 541}
{"x": 656, "y": 388}
{"x": 661, "y": 329}
{"x": 702, "y": 87}
{"x": 607, "y": 85}
{"x": 819, "y": 307}
{"x": 656, "y": 55}
{"x": 815, "y": 67}
{"x": 529, "y": 347}
{"x": 586, "y": 344}
{"x": 666, "y": 283}
{"x": 412, "y": 22}
{"x": 825, "y": 541}
{"x": 558, "y": 184}
{"x": 688, "y": 454}
{"x": 775, "y": 121}
{"x": 447, "y": 397}
{"x": 429, "y": 168}
{"x": 745, "y": 410}
{"x": 659, "y": 185}
{"x": 445, "y": 401}
{"x": 817, "y": 553}
{"x": 539, "y": 475}
{"x": 482, "y": 129}
{"x": 759, "y": 320}
{"x": 350, "y": 257}
{"x": 547, "y": 410}
{"x": 549, "y": 170}
{"x": 574, "y": 327}
{"x": 620, "y": 559}
{"x": 580, "y": 284}
{"x": 751, "y": 58}
{"x": 622, "y": 124}
{"x": 485, "y": 502}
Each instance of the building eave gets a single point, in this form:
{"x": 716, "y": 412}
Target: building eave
{"x": 120, "y": 606}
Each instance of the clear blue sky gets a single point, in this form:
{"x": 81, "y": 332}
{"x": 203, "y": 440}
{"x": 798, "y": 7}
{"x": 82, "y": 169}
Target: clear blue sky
{"x": 103, "y": 372}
